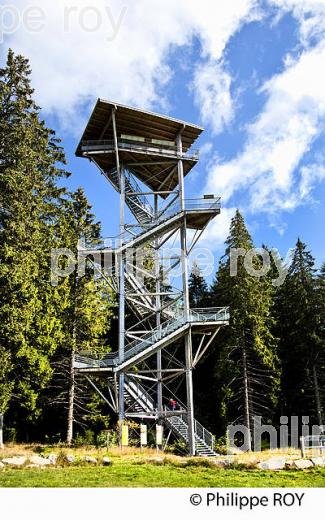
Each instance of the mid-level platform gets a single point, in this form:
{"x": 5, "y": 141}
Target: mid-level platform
{"x": 200, "y": 320}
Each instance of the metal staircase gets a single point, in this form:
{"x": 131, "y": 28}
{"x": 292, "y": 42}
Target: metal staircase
{"x": 158, "y": 338}
{"x": 156, "y": 348}
{"x": 141, "y": 404}
{"x": 138, "y": 204}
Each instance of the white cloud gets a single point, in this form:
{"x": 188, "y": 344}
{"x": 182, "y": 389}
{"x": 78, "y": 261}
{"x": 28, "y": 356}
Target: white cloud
{"x": 217, "y": 231}
{"x": 72, "y": 66}
{"x": 206, "y": 149}
{"x": 309, "y": 176}
{"x": 212, "y": 95}
{"x": 292, "y": 117}
{"x": 309, "y": 13}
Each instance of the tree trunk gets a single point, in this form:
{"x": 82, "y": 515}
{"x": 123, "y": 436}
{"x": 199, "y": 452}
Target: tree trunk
{"x": 246, "y": 400}
{"x": 1, "y": 432}
{"x": 72, "y": 386}
{"x": 71, "y": 399}
{"x": 317, "y": 397}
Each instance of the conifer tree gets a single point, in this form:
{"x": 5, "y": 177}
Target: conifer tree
{"x": 247, "y": 370}
{"x": 30, "y": 165}
{"x": 198, "y": 288}
{"x": 301, "y": 346}
{"x": 319, "y": 364}
{"x": 85, "y": 313}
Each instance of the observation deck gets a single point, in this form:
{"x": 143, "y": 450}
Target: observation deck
{"x": 145, "y": 141}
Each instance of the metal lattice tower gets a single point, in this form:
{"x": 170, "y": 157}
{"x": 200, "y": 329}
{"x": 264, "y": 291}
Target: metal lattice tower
{"x": 161, "y": 339}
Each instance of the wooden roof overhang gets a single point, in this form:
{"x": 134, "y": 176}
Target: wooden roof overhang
{"x": 157, "y": 170}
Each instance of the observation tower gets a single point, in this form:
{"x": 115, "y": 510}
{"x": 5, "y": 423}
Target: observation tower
{"x": 145, "y": 157}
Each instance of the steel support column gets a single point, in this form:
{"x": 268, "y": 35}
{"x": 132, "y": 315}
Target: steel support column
{"x": 188, "y": 338}
{"x": 121, "y": 275}
{"x": 158, "y": 313}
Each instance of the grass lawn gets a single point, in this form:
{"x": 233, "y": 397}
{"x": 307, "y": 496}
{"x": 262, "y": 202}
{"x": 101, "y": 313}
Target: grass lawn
{"x": 132, "y": 468}
{"x": 148, "y": 475}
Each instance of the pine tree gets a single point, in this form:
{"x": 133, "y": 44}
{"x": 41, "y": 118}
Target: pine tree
{"x": 29, "y": 159}
{"x": 247, "y": 370}
{"x": 198, "y": 288}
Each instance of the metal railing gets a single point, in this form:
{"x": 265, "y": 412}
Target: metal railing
{"x": 94, "y": 360}
{"x": 149, "y": 339}
{"x": 132, "y": 184}
{"x": 201, "y": 433}
{"x": 147, "y": 403}
{"x": 145, "y": 145}
{"x": 201, "y": 204}
{"x": 312, "y": 442}
{"x": 138, "y": 394}
{"x": 141, "y": 396}
{"x": 174, "y": 209}
{"x": 204, "y": 434}
{"x": 212, "y": 314}
{"x": 216, "y": 314}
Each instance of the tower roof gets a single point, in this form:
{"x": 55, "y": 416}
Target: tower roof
{"x": 138, "y": 122}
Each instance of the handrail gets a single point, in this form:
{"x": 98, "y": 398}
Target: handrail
{"x": 133, "y": 145}
{"x": 142, "y": 198}
{"x": 143, "y": 397}
{"x": 214, "y": 314}
{"x": 200, "y": 431}
{"x": 199, "y": 204}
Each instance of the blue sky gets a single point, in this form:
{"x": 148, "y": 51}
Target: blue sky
{"x": 252, "y": 73}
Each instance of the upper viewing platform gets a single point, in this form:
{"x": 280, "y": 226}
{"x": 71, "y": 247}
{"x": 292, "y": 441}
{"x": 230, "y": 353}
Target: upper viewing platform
{"x": 146, "y": 143}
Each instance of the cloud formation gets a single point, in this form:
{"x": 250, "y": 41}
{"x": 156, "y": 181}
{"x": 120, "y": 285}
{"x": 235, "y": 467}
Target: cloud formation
{"x": 269, "y": 169}
{"x": 75, "y": 58}
{"x": 121, "y": 50}
{"x": 212, "y": 94}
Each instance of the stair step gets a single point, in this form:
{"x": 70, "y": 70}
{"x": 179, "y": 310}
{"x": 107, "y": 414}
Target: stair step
{"x": 134, "y": 202}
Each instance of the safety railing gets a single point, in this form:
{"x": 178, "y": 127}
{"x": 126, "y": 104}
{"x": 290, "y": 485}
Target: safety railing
{"x": 138, "y": 394}
{"x": 94, "y": 360}
{"x": 204, "y": 434}
{"x": 172, "y": 211}
{"x": 154, "y": 336}
{"x": 145, "y": 145}
{"x": 217, "y": 314}
{"x": 210, "y": 314}
{"x": 201, "y": 204}
{"x": 312, "y": 442}
{"x": 133, "y": 186}
{"x": 201, "y": 433}
{"x": 198, "y": 205}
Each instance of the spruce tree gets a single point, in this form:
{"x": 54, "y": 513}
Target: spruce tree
{"x": 198, "y": 288}
{"x": 30, "y": 165}
{"x": 301, "y": 347}
{"x": 86, "y": 312}
{"x": 319, "y": 362}
{"x": 247, "y": 371}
